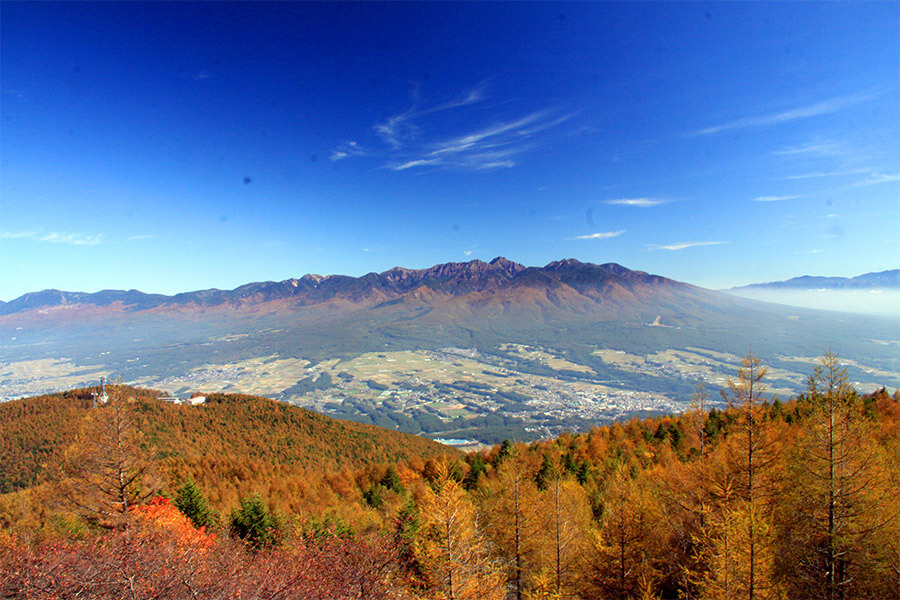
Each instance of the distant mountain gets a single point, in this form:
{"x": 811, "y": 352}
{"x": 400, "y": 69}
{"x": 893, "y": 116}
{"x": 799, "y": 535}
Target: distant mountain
{"x": 451, "y": 351}
{"x": 884, "y": 279}
{"x": 611, "y": 281}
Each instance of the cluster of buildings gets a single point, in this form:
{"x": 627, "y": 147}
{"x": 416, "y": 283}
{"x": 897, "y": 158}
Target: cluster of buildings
{"x": 175, "y": 400}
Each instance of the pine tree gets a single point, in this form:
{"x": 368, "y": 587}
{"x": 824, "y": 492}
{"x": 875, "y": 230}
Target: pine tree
{"x": 391, "y": 480}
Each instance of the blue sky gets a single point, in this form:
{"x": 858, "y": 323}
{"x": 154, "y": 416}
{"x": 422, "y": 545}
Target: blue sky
{"x": 177, "y": 146}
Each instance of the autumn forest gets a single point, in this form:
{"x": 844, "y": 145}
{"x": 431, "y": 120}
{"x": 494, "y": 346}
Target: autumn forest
{"x": 744, "y": 496}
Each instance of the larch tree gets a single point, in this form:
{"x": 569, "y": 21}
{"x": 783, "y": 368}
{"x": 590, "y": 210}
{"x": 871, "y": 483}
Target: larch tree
{"x": 510, "y": 502}
{"x": 734, "y": 540}
{"x": 629, "y": 541}
{"x": 562, "y": 536}
{"x": 742, "y": 534}
{"x": 709, "y": 498}
{"x": 839, "y": 514}
{"x": 755, "y": 466}
{"x": 451, "y": 548}
{"x": 109, "y": 469}
{"x": 698, "y": 415}
{"x": 694, "y": 493}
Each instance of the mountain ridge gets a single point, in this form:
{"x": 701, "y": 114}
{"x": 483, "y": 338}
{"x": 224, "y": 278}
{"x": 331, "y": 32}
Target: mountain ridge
{"x": 448, "y": 279}
{"x": 879, "y": 279}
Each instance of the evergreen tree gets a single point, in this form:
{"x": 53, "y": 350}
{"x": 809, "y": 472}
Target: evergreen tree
{"x": 391, "y": 480}
{"x": 477, "y": 468}
{"x": 503, "y": 453}
{"x": 192, "y": 504}
{"x": 547, "y": 473}
{"x": 252, "y": 523}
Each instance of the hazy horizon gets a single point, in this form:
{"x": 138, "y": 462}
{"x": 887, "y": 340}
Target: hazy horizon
{"x": 877, "y": 302}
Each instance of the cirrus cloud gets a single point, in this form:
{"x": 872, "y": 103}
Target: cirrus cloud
{"x": 684, "y": 245}
{"x": 604, "y": 235}
{"x": 639, "y": 202}
{"x": 822, "y": 107}
{"x": 54, "y": 237}
{"x": 423, "y": 136}
{"x": 775, "y": 198}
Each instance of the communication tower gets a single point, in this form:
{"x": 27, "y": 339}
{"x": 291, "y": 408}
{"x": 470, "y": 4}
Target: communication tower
{"x": 102, "y": 396}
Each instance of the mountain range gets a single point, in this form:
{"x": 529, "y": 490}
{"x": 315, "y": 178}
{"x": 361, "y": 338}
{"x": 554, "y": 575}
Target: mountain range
{"x": 603, "y": 283}
{"x": 883, "y": 279}
{"x": 453, "y": 350}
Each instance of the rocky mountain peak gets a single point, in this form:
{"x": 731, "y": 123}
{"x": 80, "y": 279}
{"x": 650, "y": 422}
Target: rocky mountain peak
{"x": 507, "y": 265}
{"x": 556, "y": 265}
{"x": 312, "y": 278}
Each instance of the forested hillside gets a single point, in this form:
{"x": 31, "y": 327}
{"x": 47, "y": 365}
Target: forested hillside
{"x": 232, "y": 445}
{"x": 766, "y": 499}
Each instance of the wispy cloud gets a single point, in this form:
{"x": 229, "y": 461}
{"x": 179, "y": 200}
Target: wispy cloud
{"x": 419, "y": 162}
{"x": 75, "y": 239}
{"x": 416, "y": 138}
{"x": 823, "y": 107}
{"x": 684, "y": 245}
{"x": 473, "y": 160}
{"x": 640, "y": 202}
{"x": 491, "y": 147}
{"x": 876, "y": 178}
{"x": 775, "y": 198}
{"x": 605, "y": 235}
{"x": 347, "y": 149}
{"x": 400, "y": 129}
{"x": 469, "y": 141}
{"x": 141, "y": 236}
{"x": 829, "y": 148}
{"x": 818, "y": 174}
